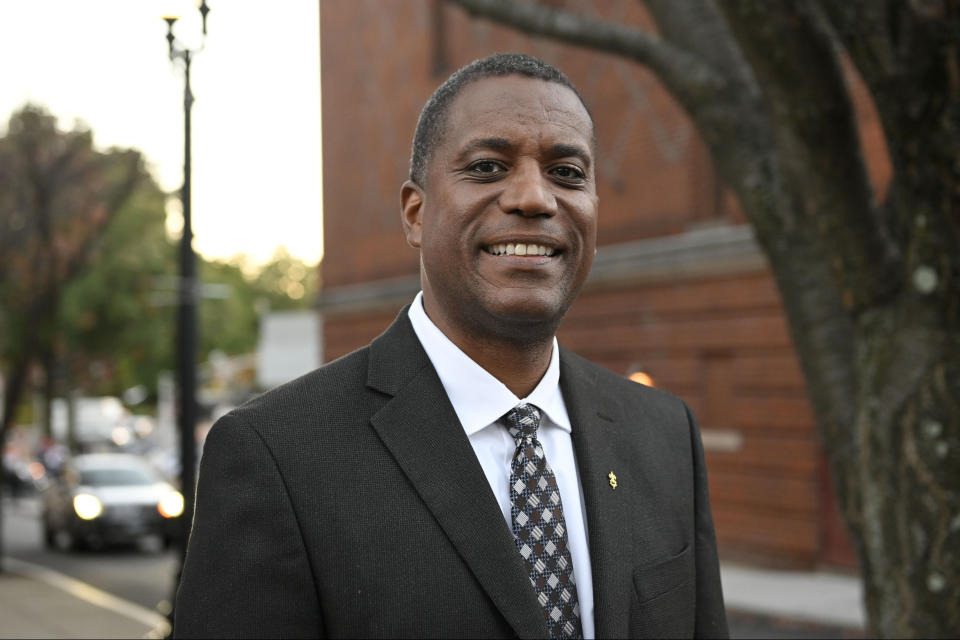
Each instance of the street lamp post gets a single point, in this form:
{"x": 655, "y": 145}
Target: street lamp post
{"x": 187, "y": 307}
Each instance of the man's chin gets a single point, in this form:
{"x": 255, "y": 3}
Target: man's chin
{"x": 522, "y": 315}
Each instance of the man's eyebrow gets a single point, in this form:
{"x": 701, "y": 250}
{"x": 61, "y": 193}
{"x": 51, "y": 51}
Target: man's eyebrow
{"x": 495, "y": 144}
{"x": 558, "y": 150}
{"x": 561, "y": 150}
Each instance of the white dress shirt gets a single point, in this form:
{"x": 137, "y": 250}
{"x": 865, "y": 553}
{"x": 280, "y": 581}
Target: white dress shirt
{"x": 480, "y": 400}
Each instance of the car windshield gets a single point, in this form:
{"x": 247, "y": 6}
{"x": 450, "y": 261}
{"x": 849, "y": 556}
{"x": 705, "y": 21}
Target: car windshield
{"x": 115, "y": 477}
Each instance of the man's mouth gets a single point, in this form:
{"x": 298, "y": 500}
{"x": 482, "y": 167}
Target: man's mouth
{"x": 519, "y": 249}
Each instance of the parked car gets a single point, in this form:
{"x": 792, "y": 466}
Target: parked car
{"x": 110, "y": 498}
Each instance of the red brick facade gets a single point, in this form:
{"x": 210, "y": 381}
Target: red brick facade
{"x": 679, "y": 289}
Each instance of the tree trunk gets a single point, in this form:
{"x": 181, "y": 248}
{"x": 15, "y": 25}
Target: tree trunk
{"x": 15, "y": 383}
{"x": 907, "y": 473}
{"x": 908, "y": 407}
{"x": 908, "y": 351}
{"x": 50, "y": 388}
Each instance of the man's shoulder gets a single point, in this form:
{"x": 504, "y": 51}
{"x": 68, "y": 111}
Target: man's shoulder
{"x": 337, "y": 388}
{"x": 344, "y": 374}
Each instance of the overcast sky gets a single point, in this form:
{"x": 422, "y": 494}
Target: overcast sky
{"x": 256, "y": 116}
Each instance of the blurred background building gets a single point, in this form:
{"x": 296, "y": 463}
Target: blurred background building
{"x": 679, "y": 289}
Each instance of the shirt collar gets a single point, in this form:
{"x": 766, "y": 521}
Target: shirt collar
{"x": 478, "y": 398}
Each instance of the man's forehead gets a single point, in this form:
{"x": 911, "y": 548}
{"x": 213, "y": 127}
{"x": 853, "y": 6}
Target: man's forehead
{"x": 509, "y": 108}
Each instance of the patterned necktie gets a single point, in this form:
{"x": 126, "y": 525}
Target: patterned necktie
{"x": 539, "y": 527}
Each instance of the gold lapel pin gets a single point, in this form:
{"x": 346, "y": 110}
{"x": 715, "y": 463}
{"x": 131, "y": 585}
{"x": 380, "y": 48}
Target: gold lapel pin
{"x": 613, "y": 479}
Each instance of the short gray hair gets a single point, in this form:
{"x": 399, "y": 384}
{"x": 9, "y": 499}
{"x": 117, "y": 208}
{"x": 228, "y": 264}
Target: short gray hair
{"x": 433, "y": 117}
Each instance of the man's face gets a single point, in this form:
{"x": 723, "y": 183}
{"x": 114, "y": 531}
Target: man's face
{"x": 506, "y": 221}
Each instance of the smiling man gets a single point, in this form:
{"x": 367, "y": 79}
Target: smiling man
{"x": 505, "y": 216}
{"x": 463, "y": 475}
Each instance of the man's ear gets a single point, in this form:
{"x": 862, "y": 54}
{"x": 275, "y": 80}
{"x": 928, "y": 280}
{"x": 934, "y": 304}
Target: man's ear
{"x": 411, "y": 212}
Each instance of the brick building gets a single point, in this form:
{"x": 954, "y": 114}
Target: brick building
{"x": 679, "y": 288}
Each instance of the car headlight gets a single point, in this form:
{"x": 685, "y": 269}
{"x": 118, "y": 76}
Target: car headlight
{"x": 171, "y": 505}
{"x": 87, "y": 506}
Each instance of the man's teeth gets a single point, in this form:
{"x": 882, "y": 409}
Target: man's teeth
{"x": 512, "y": 249}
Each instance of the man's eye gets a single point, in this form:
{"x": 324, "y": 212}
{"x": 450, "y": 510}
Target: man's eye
{"x": 486, "y": 166}
{"x": 569, "y": 173}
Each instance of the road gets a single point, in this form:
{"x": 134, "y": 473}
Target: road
{"x": 143, "y": 574}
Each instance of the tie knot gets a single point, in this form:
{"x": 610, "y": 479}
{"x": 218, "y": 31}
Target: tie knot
{"x": 523, "y": 421}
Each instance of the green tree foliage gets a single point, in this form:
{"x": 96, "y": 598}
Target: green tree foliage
{"x": 118, "y": 316}
{"x": 58, "y": 196}
{"x": 88, "y": 275}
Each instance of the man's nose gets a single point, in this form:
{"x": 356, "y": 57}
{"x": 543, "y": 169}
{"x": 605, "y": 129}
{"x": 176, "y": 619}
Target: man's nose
{"x": 527, "y": 192}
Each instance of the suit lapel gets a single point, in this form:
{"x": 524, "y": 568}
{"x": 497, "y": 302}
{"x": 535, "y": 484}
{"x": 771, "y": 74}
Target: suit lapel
{"x": 597, "y": 419}
{"x": 424, "y": 435}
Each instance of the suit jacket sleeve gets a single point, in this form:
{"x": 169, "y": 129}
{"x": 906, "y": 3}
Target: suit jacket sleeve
{"x": 246, "y": 572}
{"x": 711, "y": 619}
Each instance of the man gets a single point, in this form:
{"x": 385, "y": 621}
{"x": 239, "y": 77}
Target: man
{"x": 463, "y": 476}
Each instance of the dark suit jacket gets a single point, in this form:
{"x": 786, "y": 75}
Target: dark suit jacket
{"x": 349, "y": 503}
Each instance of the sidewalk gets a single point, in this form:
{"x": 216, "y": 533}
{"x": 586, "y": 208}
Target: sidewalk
{"x": 763, "y": 603}
{"x": 36, "y": 602}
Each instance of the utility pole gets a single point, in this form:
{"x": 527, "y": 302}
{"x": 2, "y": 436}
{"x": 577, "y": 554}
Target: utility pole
{"x": 187, "y": 307}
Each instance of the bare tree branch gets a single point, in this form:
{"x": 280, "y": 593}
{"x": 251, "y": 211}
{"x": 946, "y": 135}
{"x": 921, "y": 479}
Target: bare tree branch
{"x": 908, "y": 54}
{"x": 115, "y": 200}
{"x": 687, "y": 76}
{"x": 701, "y": 29}
{"x": 796, "y": 59}
{"x": 870, "y": 31}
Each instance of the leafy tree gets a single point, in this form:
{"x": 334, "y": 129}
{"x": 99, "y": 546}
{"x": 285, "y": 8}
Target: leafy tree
{"x": 117, "y": 316}
{"x": 58, "y": 196}
{"x": 870, "y": 284}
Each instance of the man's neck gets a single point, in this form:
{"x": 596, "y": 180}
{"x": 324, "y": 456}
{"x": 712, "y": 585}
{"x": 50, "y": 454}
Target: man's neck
{"x": 520, "y": 369}
{"x": 518, "y": 363}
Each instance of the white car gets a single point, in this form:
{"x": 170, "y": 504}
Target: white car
{"x": 110, "y": 498}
